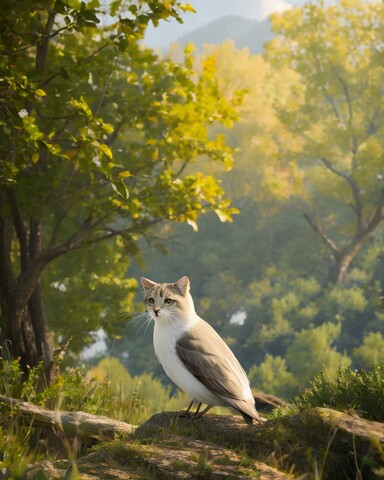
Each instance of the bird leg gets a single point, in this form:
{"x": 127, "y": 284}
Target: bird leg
{"x": 199, "y": 415}
{"x": 197, "y": 409}
{"x": 187, "y": 413}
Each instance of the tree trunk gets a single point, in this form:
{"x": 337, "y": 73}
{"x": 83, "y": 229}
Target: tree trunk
{"x": 342, "y": 258}
{"x": 24, "y": 332}
{"x": 71, "y": 423}
{"x": 339, "y": 269}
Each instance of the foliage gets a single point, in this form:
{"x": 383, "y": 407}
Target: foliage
{"x": 361, "y": 391}
{"x": 17, "y": 450}
{"x": 135, "y": 398}
{"x": 370, "y": 351}
{"x": 273, "y": 377}
{"x": 107, "y": 389}
{"x": 303, "y": 260}
{"x": 96, "y": 132}
{"x": 68, "y": 391}
{"x": 313, "y": 348}
{"x": 334, "y": 110}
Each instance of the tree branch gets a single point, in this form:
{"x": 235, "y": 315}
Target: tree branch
{"x": 130, "y": 230}
{"x": 333, "y": 104}
{"x": 42, "y": 46}
{"x": 376, "y": 219}
{"x": 330, "y": 244}
{"x": 7, "y": 278}
{"x": 30, "y": 278}
{"x": 346, "y": 94}
{"x": 112, "y": 137}
{"x": 76, "y": 64}
{"x": 355, "y": 193}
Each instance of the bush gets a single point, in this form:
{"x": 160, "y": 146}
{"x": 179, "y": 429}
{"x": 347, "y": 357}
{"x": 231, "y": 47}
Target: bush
{"x": 113, "y": 392}
{"x": 362, "y": 391}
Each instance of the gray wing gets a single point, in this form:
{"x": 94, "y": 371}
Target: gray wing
{"x": 212, "y": 362}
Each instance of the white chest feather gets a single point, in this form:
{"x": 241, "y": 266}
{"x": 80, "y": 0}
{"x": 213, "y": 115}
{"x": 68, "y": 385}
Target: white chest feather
{"x": 165, "y": 337}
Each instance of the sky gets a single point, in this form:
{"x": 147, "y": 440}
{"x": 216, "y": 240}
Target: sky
{"x": 210, "y": 10}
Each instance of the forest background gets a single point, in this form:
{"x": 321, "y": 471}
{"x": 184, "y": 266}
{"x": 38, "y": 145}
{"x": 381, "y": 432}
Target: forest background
{"x": 115, "y": 162}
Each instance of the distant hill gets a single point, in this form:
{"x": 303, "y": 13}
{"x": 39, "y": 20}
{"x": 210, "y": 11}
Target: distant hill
{"x": 243, "y": 31}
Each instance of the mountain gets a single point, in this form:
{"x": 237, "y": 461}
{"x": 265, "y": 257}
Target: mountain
{"x": 251, "y": 34}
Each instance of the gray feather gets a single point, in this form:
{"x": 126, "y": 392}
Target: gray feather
{"x": 212, "y": 362}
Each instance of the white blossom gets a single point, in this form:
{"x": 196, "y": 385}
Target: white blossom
{"x": 23, "y": 113}
{"x": 96, "y": 161}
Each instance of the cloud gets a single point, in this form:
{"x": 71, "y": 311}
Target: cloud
{"x": 267, "y": 7}
{"x": 209, "y": 10}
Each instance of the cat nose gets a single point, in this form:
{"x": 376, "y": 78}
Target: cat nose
{"x": 156, "y": 310}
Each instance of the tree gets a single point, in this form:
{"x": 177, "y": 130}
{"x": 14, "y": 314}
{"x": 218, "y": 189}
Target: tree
{"x": 96, "y": 132}
{"x": 371, "y": 350}
{"x": 312, "y": 349}
{"x": 272, "y": 376}
{"x": 266, "y": 263}
{"x": 336, "y": 113}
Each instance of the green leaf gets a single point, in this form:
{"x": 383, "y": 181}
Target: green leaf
{"x": 121, "y": 189}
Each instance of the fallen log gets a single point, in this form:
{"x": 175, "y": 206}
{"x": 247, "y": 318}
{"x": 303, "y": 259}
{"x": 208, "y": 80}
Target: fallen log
{"x": 79, "y": 424}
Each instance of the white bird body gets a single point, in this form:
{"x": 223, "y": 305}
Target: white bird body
{"x": 193, "y": 354}
{"x": 165, "y": 338}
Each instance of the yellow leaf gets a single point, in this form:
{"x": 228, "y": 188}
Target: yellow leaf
{"x": 106, "y": 150}
{"x": 125, "y": 174}
{"x": 40, "y": 92}
{"x": 107, "y": 127}
{"x": 186, "y": 7}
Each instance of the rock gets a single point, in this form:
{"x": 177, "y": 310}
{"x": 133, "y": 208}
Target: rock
{"x": 169, "y": 457}
{"x": 266, "y": 402}
{"x": 318, "y": 443}
{"x": 336, "y": 443}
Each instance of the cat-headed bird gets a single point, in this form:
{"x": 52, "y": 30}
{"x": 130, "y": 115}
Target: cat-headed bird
{"x": 193, "y": 354}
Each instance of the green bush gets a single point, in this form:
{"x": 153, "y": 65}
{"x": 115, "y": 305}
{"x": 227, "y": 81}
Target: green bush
{"x": 108, "y": 389}
{"x": 362, "y": 391}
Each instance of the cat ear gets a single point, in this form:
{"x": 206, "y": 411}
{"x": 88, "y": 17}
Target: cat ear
{"x": 182, "y": 285}
{"x": 147, "y": 284}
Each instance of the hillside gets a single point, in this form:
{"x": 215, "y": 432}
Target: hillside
{"x": 320, "y": 443}
{"x": 251, "y": 34}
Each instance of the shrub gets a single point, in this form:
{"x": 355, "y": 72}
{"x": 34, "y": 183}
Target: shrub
{"x": 362, "y": 391}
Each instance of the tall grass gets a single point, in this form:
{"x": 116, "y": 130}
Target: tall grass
{"x": 361, "y": 391}
{"x": 108, "y": 390}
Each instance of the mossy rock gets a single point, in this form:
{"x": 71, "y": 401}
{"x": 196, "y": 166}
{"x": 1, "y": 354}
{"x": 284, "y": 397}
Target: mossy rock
{"x": 167, "y": 457}
{"x": 318, "y": 443}
{"x": 336, "y": 444}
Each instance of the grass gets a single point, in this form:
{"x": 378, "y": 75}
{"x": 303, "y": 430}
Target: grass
{"x": 136, "y": 399}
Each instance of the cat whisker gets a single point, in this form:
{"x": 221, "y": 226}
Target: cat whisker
{"x": 145, "y": 324}
{"x": 132, "y": 318}
{"x": 140, "y": 317}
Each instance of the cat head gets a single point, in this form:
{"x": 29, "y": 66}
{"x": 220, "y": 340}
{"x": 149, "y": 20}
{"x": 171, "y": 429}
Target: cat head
{"x": 168, "y": 301}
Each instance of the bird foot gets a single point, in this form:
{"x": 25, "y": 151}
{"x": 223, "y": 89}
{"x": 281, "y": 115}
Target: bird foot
{"x": 185, "y": 414}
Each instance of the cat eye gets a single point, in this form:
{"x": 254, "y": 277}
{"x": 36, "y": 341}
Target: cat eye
{"x": 168, "y": 301}
{"x": 151, "y": 300}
